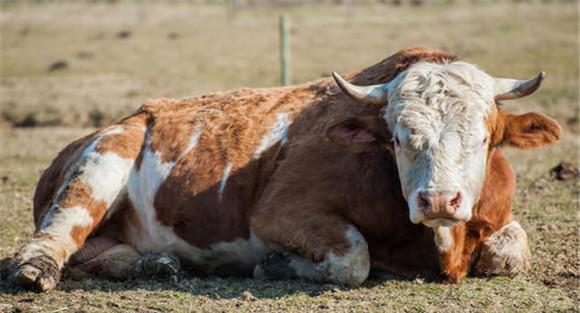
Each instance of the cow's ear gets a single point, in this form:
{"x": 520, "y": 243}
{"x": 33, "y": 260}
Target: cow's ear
{"x": 529, "y": 131}
{"x": 359, "y": 133}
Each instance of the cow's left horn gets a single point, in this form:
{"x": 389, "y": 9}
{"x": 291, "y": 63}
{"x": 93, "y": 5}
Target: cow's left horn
{"x": 374, "y": 94}
{"x": 507, "y": 89}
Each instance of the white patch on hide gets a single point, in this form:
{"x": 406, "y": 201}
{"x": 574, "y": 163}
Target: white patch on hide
{"x": 278, "y": 133}
{"x": 193, "y": 141}
{"x": 99, "y": 170}
{"x": 106, "y": 174}
{"x": 224, "y": 180}
{"x": 353, "y": 267}
{"x": 142, "y": 189}
{"x": 443, "y": 238}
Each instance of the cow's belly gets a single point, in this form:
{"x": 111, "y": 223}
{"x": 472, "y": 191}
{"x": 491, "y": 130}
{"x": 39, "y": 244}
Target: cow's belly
{"x": 148, "y": 235}
{"x": 238, "y": 256}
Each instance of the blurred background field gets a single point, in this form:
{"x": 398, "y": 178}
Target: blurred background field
{"x": 79, "y": 64}
{"x": 67, "y": 67}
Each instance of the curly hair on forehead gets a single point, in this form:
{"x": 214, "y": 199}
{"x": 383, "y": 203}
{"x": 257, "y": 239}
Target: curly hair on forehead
{"x": 435, "y": 92}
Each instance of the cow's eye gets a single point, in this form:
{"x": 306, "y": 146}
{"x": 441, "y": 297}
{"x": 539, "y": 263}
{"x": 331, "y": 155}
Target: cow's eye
{"x": 485, "y": 140}
{"x": 396, "y": 141}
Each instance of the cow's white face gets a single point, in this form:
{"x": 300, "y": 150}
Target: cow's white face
{"x": 443, "y": 119}
{"x": 437, "y": 116}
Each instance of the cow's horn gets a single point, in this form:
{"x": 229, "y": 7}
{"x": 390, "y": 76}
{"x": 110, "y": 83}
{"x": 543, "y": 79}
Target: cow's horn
{"x": 374, "y": 94}
{"x": 507, "y": 89}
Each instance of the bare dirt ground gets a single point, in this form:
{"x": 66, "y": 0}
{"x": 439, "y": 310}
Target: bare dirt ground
{"x": 76, "y": 66}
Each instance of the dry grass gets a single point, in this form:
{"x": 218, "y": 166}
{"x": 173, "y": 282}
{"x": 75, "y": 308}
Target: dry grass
{"x": 216, "y": 49}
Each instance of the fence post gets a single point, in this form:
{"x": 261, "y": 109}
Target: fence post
{"x": 285, "y": 71}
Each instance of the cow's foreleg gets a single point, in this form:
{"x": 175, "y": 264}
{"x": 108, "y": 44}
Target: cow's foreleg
{"x": 505, "y": 252}
{"x": 93, "y": 184}
{"x": 326, "y": 249}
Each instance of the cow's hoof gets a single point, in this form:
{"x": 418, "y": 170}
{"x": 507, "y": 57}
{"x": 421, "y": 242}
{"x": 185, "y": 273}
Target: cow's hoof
{"x": 160, "y": 266}
{"x": 39, "y": 273}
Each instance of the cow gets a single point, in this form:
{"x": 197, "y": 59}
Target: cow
{"x": 396, "y": 168}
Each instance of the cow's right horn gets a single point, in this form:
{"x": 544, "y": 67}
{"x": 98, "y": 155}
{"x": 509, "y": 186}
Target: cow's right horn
{"x": 507, "y": 89}
{"x": 374, "y": 94}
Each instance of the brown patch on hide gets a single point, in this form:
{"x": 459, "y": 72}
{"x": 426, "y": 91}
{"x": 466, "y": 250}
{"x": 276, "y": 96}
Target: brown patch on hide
{"x": 128, "y": 143}
{"x": 189, "y": 199}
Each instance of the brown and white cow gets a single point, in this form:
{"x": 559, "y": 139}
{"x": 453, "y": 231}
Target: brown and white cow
{"x": 404, "y": 176}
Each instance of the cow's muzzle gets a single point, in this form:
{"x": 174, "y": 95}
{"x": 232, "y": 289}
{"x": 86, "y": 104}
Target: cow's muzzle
{"x": 439, "y": 204}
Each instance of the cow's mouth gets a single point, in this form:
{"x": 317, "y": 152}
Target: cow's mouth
{"x": 438, "y": 222}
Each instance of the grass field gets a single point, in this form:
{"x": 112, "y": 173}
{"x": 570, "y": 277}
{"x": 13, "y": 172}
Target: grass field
{"x": 119, "y": 55}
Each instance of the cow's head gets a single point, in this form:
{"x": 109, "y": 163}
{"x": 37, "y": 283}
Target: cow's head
{"x": 443, "y": 120}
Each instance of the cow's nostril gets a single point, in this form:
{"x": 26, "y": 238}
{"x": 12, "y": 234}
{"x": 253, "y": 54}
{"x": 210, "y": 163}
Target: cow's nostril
{"x": 455, "y": 200}
{"x": 423, "y": 198}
